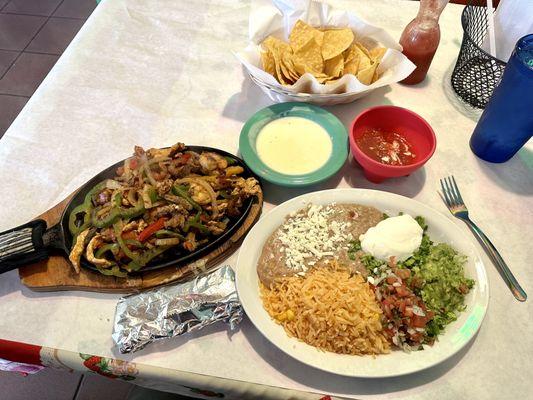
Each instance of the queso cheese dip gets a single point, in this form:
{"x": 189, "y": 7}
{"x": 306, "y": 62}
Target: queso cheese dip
{"x": 293, "y": 145}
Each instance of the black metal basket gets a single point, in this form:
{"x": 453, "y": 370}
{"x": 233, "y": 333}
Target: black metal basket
{"x": 476, "y": 72}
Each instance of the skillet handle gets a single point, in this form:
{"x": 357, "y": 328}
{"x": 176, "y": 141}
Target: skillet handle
{"x": 22, "y": 245}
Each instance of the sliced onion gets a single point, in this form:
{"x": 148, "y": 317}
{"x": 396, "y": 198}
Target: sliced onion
{"x": 158, "y": 160}
{"x": 209, "y": 190}
{"x": 167, "y": 242}
{"x": 146, "y": 197}
{"x": 208, "y": 178}
{"x": 112, "y": 184}
{"x": 131, "y": 197}
{"x": 146, "y": 168}
{"x": 103, "y": 210}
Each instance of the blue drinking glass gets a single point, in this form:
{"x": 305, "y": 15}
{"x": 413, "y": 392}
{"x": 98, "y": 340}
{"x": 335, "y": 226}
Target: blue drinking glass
{"x": 507, "y": 121}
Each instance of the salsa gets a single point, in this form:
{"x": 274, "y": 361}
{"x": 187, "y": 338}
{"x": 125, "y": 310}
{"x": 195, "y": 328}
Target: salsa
{"x": 389, "y": 148}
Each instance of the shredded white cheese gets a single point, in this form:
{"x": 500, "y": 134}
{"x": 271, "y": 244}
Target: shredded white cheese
{"x": 307, "y": 236}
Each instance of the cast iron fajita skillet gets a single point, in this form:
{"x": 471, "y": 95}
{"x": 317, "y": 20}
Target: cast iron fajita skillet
{"x": 33, "y": 242}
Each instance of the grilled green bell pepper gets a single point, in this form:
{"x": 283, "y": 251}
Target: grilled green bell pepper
{"x": 112, "y": 247}
{"x": 180, "y": 190}
{"x": 117, "y": 228}
{"x": 73, "y": 217}
{"x": 118, "y": 212}
{"x": 113, "y": 271}
{"x": 164, "y": 233}
{"x": 146, "y": 257}
{"x": 195, "y": 223}
{"x": 86, "y": 207}
{"x": 152, "y": 194}
{"x": 198, "y": 225}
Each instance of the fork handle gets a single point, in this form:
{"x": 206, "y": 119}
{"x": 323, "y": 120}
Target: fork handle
{"x": 501, "y": 266}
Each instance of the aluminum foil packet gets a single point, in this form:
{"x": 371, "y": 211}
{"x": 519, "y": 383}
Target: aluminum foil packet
{"x": 174, "y": 310}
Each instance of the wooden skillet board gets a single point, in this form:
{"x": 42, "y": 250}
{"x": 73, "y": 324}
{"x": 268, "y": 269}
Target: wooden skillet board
{"x": 56, "y": 273}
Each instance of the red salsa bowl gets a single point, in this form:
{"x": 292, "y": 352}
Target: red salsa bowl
{"x": 390, "y": 141}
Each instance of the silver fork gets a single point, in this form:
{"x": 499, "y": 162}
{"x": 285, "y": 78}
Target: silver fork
{"x": 454, "y": 202}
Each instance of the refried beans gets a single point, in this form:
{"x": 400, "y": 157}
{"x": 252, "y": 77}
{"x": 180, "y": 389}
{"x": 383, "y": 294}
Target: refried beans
{"x": 354, "y": 219}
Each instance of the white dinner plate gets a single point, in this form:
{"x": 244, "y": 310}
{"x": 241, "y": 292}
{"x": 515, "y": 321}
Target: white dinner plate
{"x": 441, "y": 229}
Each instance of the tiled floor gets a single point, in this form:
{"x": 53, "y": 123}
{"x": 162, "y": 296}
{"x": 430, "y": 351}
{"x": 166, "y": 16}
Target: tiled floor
{"x": 33, "y": 34}
{"x": 51, "y": 384}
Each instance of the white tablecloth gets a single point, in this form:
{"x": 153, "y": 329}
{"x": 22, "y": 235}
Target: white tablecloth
{"x": 156, "y": 72}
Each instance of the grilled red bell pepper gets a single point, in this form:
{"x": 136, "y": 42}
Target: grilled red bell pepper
{"x": 151, "y": 229}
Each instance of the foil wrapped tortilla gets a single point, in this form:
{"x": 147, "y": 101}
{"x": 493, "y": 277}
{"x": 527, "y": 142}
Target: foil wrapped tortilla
{"x": 174, "y": 310}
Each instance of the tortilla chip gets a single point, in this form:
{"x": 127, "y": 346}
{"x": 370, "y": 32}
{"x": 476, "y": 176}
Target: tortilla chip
{"x": 352, "y": 66}
{"x": 336, "y": 41}
{"x": 321, "y": 77}
{"x": 277, "y": 47}
{"x": 268, "y": 62}
{"x": 376, "y": 75}
{"x": 319, "y": 37}
{"x": 287, "y": 79}
{"x": 377, "y": 53}
{"x": 308, "y": 58}
{"x": 365, "y": 75}
{"x": 271, "y": 42}
{"x": 363, "y": 49}
{"x": 334, "y": 66}
{"x": 364, "y": 57}
{"x": 301, "y": 33}
{"x": 350, "y": 53}
{"x": 287, "y": 67}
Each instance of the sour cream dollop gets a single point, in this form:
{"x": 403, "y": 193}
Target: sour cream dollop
{"x": 396, "y": 237}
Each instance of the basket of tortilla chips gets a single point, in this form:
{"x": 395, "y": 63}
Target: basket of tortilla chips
{"x": 308, "y": 51}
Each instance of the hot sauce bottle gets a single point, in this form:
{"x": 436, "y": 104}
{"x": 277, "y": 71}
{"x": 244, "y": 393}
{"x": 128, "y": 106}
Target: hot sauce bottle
{"x": 421, "y": 38}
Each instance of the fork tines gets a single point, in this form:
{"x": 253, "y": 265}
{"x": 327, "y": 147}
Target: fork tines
{"x": 450, "y": 190}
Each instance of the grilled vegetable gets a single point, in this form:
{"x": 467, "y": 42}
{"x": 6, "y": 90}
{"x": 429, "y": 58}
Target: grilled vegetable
{"x": 159, "y": 199}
